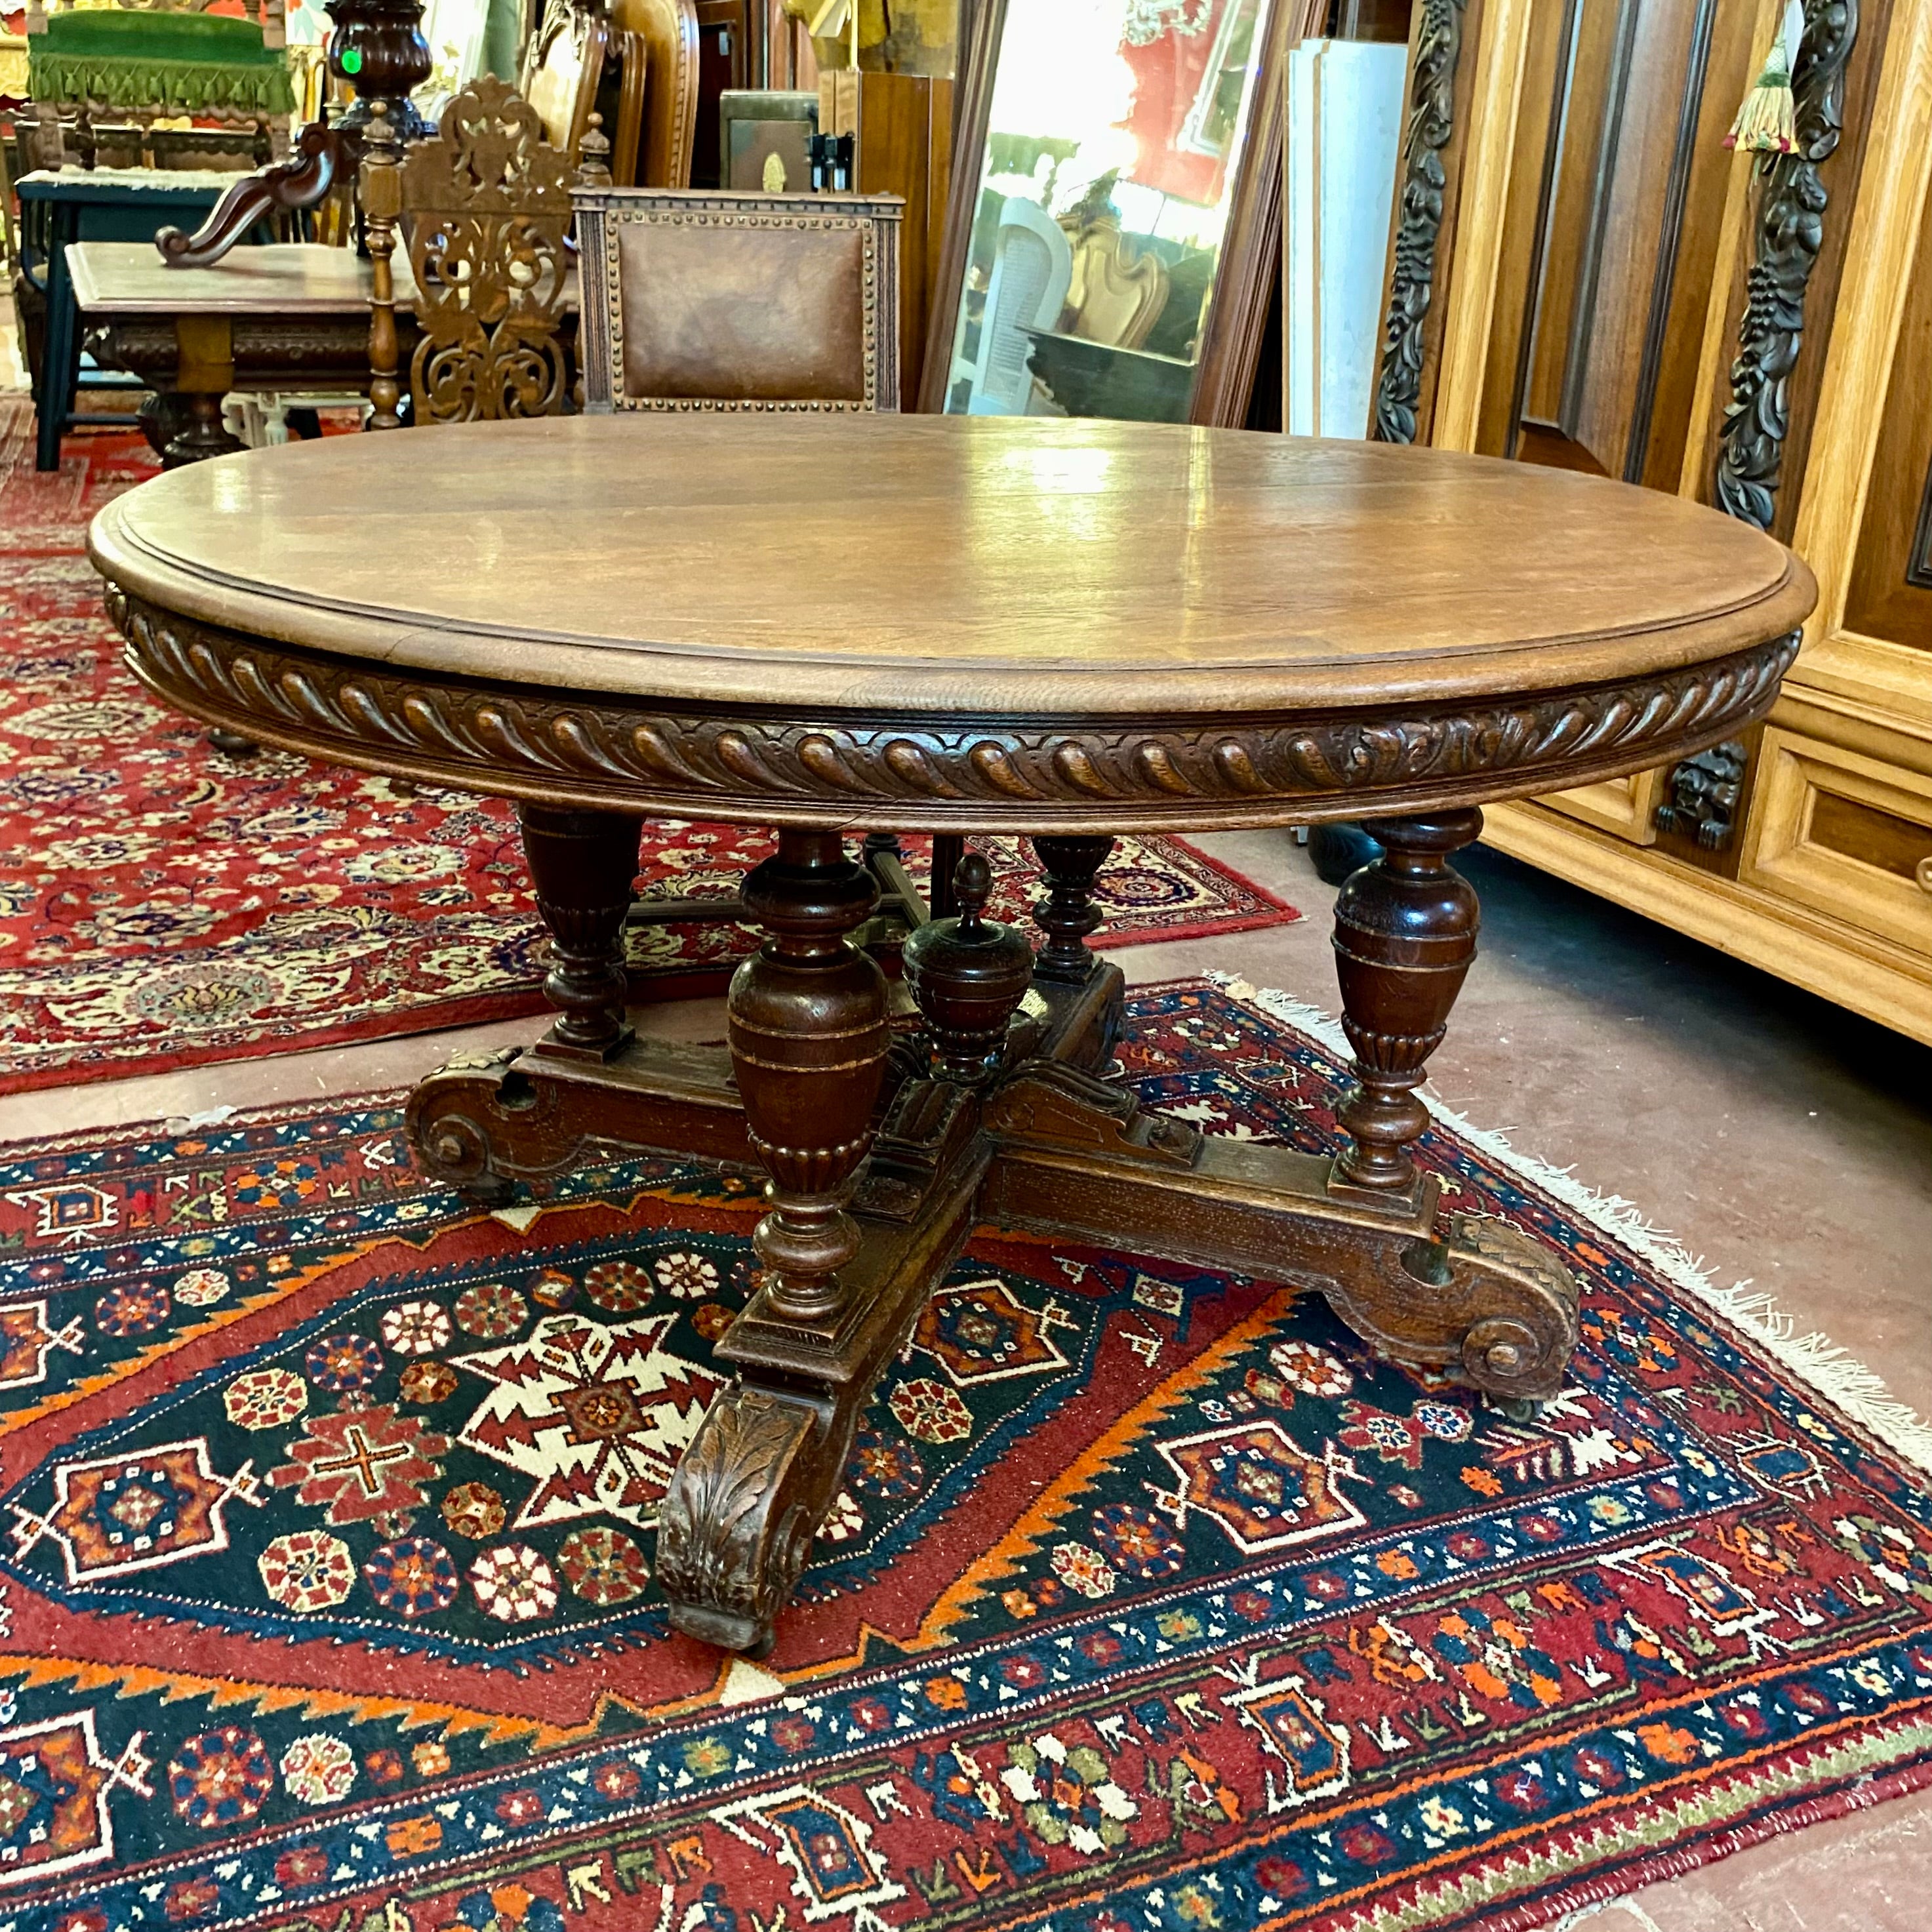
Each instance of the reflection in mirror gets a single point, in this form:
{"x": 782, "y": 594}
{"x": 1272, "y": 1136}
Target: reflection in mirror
{"x": 1114, "y": 137}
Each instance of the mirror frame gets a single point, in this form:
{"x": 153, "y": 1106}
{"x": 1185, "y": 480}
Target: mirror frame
{"x": 1249, "y": 268}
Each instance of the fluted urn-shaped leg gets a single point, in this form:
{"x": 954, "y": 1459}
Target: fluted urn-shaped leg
{"x": 584, "y": 865}
{"x": 1068, "y": 914}
{"x": 808, "y": 1033}
{"x": 968, "y": 973}
{"x": 1404, "y": 935}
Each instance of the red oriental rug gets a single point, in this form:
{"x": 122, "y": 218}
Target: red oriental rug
{"x": 161, "y": 905}
{"x": 1153, "y": 1602}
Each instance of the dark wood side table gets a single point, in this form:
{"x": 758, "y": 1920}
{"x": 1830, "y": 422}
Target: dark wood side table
{"x": 287, "y": 318}
{"x": 69, "y": 205}
{"x": 831, "y": 625}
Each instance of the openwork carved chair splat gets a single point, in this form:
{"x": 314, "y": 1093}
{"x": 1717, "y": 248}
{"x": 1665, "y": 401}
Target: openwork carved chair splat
{"x": 486, "y": 206}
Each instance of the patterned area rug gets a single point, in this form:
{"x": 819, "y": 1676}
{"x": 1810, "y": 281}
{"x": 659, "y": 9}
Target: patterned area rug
{"x": 1153, "y": 1600}
{"x": 162, "y": 905}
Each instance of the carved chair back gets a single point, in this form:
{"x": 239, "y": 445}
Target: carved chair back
{"x": 1115, "y": 294}
{"x": 563, "y": 64}
{"x": 486, "y": 209}
{"x": 716, "y": 300}
{"x": 663, "y": 35}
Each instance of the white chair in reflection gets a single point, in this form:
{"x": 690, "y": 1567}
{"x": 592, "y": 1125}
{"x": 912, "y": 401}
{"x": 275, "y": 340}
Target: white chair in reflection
{"x": 1032, "y": 263}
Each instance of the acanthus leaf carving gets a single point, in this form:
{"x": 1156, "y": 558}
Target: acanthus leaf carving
{"x": 1790, "y": 236}
{"x": 1431, "y": 126}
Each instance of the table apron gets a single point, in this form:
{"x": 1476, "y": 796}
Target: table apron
{"x": 1101, "y": 774}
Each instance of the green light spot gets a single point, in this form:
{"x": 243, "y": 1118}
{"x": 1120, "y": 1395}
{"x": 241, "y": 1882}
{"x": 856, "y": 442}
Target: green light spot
{"x": 352, "y": 60}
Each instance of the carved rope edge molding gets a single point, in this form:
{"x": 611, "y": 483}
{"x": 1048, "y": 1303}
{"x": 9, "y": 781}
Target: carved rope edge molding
{"x": 1431, "y": 126}
{"x": 1126, "y": 772}
{"x": 1790, "y": 236}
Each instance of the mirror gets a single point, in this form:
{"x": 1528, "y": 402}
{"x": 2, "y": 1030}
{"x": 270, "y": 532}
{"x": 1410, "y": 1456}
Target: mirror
{"x": 1115, "y": 217}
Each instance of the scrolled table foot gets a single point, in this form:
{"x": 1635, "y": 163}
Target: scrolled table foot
{"x": 736, "y": 1526}
{"x": 454, "y": 1120}
{"x": 1478, "y": 1296}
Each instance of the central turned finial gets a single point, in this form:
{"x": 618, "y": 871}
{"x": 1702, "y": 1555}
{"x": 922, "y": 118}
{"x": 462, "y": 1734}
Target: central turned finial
{"x": 968, "y": 973}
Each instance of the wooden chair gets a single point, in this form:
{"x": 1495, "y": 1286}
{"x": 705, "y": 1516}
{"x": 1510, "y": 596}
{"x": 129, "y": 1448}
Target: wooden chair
{"x": 1032, "y": 266}
{"x": 716, "y": 300}
{"x": 566, "y": 61}
{"x": 485, "y": 210}
{"x": 665, "y": 35}
{"x": 1116, "y": 293}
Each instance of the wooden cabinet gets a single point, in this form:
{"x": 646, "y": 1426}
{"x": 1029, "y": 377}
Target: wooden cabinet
{"x": 1582, "y": 275}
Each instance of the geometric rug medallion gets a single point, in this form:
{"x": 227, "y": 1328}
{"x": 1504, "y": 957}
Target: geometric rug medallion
{"x": 328, "y": 1509}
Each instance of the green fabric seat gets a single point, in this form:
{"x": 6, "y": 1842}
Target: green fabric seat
{"x": 159, "y": 63}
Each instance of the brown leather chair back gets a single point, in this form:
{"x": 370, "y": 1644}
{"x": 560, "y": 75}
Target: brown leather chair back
{"x": 714, "y": 300}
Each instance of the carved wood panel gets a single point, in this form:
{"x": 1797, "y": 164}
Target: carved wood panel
{"x": 1429, "y": 182}
{"x": 1101, "y": 774}
{"x": 487, "y": 205}
{"x": 1783, "y": 295}
{"x": 1616, "y": 200}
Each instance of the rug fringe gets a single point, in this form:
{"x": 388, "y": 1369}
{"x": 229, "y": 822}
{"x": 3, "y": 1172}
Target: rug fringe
{"x": 1847, "y": 1384}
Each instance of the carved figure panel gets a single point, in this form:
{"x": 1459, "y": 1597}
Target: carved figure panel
{"x": 1705, "y": 793}
{"x": 487, "y": 205}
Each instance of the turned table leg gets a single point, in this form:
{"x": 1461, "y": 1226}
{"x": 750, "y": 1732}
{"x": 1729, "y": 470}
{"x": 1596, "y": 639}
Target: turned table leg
{"x": 809, "y": 1027}
{"x": 475, "y": 1123}
{"x": 1068, "y": 914}
{"x": 1405, "y": 934}
{"x": 584, "y": 865}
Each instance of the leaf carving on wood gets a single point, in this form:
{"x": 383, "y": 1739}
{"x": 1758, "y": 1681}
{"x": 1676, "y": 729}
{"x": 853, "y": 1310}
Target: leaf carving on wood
{"x": 487, "y": 208}
{"x": 1421, "y": 196}
{"x": 600, "y": 748}
{"x": 1790, "y": 236}
{"x": 728, "y": 1534}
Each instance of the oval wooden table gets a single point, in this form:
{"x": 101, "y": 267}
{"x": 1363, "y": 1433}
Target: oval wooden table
{"x": 1067, "y": 629}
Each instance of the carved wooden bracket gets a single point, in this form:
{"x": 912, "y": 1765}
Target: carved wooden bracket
{"x": 1704, "y": 794}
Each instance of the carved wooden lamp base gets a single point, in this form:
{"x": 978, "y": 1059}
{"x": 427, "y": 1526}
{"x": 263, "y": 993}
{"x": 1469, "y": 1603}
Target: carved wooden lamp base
{"x": 882, "y": 1157}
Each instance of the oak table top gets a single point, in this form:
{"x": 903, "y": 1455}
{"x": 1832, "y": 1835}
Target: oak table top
{"x": 305, "y": 278}
{"x": 941, "y": 622}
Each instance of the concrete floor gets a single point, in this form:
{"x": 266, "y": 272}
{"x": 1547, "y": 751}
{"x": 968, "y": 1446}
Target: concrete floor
{"x": 1786, "y": 1142}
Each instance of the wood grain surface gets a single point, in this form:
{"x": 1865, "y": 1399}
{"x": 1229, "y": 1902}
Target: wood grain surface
{"x": 981, "y": 568}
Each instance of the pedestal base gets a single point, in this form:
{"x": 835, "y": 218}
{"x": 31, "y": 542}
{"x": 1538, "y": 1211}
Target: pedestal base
{"x": 1038, "y": 1139}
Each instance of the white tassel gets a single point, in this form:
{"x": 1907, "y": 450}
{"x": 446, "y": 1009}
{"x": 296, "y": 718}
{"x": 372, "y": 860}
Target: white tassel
{"x": 1767, "y": 122}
